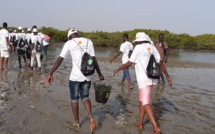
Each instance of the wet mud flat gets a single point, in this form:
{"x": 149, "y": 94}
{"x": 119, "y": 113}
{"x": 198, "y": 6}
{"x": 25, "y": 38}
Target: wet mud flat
{"x": 29, "y": 106}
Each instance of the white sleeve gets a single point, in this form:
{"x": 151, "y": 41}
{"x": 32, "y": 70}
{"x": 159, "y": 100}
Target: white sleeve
{"x": 134, "y": 55}
{"x": 156, "y": 53}
{"x": 65, "y": 50}
{"x": 91, "y": 50}
{"x": 122, "y": 48}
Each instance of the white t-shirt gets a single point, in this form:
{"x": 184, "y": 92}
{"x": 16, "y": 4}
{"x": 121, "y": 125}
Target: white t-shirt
{"x": 20, "y": 36}
{"x": 34, "y": 40}
{"x": 3, "y": 35}
{"x": 125, "y": 48}
{"x": 76, "y": 51}
{"x": 140, "y": 57}
{"x": 28, "y": 37}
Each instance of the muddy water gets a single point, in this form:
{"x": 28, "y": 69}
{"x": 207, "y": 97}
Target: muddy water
{"x": 29, "y": 106}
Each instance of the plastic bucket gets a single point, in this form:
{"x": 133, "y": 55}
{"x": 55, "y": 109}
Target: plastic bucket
{"x": 102, "y": 92}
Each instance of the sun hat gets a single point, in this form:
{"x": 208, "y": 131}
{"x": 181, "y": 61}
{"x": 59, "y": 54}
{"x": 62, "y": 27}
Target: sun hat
{"x": 141, "y": 36}
{"x": 20, "y": 28}
{"x": 34, "y": 30}
{"x": 71, "y": 31}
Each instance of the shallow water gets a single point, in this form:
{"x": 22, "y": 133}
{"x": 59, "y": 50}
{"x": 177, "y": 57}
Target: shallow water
{"x": 31, "y": 106}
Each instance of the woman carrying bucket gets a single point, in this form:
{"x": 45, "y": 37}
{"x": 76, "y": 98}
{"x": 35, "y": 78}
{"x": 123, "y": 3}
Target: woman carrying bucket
{"x": 140, "y": 57}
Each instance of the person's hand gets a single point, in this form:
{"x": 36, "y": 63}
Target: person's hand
{"x": 101, "y": 77}
{"x": 49, "y": 79}
{"x": 169, "y": 81}
{"x": 115, "y": 72}
{"x": 10, "y": 50}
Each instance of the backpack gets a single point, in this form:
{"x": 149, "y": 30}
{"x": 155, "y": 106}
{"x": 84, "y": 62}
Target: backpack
{"x": 130, "y": 53}
{"x": 22, "y": 43}
{"x": 153, "y": 70}
{"x": 87, "y": 63}
{"x": 38, "y": 47}
{"x": 11, "y": 39}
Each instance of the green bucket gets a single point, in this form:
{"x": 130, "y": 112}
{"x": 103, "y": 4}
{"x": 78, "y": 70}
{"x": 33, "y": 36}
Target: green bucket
{"x": 102, "y": 92}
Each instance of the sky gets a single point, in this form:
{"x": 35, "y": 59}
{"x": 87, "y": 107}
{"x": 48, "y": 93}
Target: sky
{"x": 193, "y": 17}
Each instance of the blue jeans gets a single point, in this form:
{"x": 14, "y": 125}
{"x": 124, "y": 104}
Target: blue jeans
{"x": 79, "y": 89}
{"x": 45, "y": 48}
{"x": 126, "y": 74}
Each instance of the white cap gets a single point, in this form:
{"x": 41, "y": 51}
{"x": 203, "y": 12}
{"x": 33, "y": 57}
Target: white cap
{"x": 20, "y": 28}
{"x": 34, "y": 30}
{"x": 141, "y": 36}
{"x": 71, "y": 31}
{"x": 23, "y": 30}
{"x": 29, "y": 29}
{"x": 14, "y": 31}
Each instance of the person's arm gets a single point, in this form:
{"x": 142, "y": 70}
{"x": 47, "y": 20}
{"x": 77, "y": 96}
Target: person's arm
{"x": 164, "y": 70}
{"x": 118, "y": 54}
{"x": 167, "y": 54}
{"x": 126, "y": 65}
{"x": 101, "y": 77}
{"x": 57, "y": 63}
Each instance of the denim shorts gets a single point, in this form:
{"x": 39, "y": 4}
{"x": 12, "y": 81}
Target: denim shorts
{"x": 79, "y": 90}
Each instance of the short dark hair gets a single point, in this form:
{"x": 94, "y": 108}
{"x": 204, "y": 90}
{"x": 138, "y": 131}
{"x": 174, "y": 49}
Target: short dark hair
{"x": 125, "y": 35}
{"x": 5, "y": 25}
{"x": 160, "y": 34}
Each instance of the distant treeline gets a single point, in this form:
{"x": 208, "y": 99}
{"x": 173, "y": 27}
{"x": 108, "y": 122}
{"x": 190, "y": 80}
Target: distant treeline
{"x": 113, "y": 39}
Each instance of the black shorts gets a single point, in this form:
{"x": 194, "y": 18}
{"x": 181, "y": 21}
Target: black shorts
{"x": 21, "y": 52}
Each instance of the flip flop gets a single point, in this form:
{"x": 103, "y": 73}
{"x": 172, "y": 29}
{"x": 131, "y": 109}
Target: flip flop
{"x": 156, "y": 131}
{"x": 139, "y": 125}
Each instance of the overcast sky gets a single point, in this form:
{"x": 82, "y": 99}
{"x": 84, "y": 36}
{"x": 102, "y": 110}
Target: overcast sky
{"x": 193, "y": 17}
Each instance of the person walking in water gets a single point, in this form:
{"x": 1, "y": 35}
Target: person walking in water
{"x": 140, "y": 57}
{"x": 125, "y": 48}
{"x": 79, "y": 84}
{"x": 5, "y": 47}
{"x": 163, "y": 50}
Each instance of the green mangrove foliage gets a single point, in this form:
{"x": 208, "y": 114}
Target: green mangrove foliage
{"x": 113, "y": 39}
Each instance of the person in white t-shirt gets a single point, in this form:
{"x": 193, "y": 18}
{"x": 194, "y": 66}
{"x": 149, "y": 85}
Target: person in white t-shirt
{"x": 21, "y": 46}
{"x": 36, "y": 49}
{"x": 45, "y": 45}
{"x": 28, "y": 44}
{"x": 140, "y": 57}
{"x": 125, "y": 48}
{"x": 5, "y": 47}
{"x": 79, "y": 84}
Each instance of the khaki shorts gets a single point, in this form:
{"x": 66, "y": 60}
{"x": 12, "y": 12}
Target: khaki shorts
{"x": 4, "y": 53}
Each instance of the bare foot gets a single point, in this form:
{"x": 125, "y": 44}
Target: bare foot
{"x": 92, "y": 124}
{"x": 130, "y": 87}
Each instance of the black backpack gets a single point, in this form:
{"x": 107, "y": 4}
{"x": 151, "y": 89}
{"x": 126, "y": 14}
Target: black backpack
{"x": 153, "y": 70}
{"x": 87, "y": 63}
{"x": 129, "y": 53}
{"x": 22, "y": 43}
{"x": 11, "y": 39}
{"x": 38, "y": 46}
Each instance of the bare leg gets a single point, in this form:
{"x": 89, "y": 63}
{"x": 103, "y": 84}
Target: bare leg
{"x": 75, "y": 110}
{"x": 130, "y": 84}
{"x": 6, "y": 64}
{"x": 141, "y": 116}
{"x": 1, "y": 63}
{"x": 87, "y": 104}
{"x": 150, "y": 115}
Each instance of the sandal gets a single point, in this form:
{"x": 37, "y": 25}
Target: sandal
{"x": 92, "y": 125}
{"x": 139, "y": 125}
{"x": 156, "y": 131}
